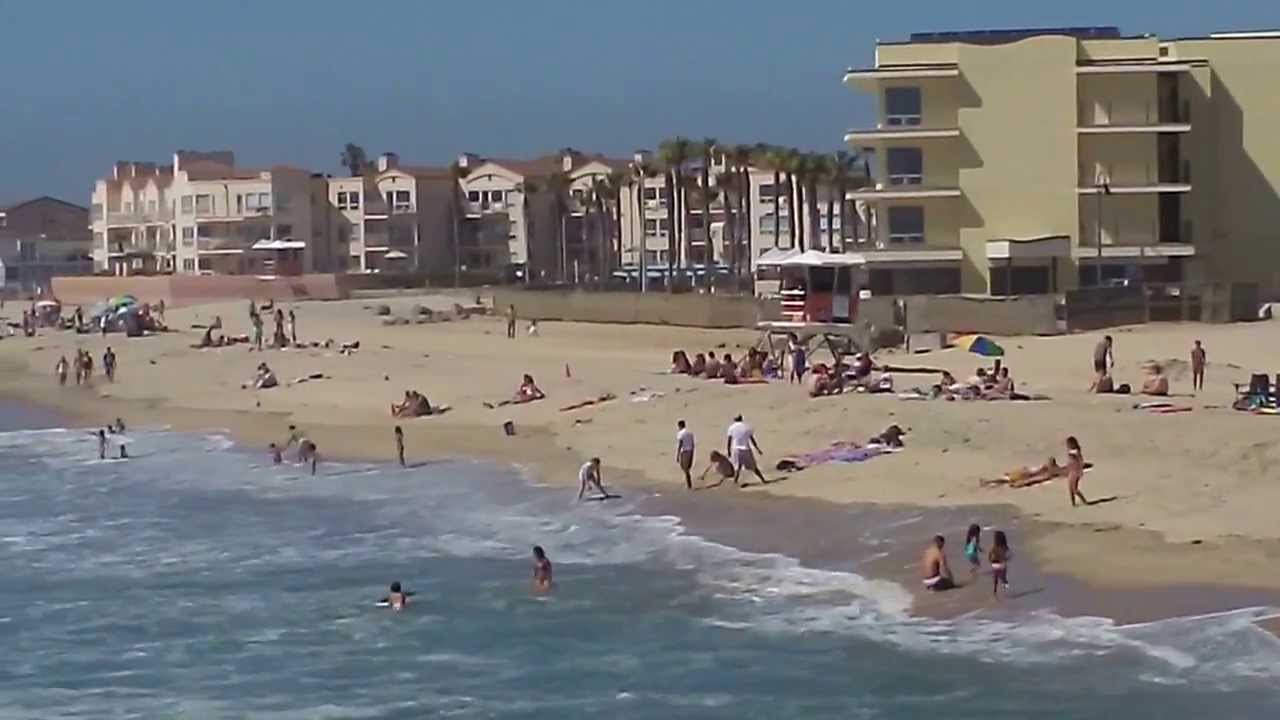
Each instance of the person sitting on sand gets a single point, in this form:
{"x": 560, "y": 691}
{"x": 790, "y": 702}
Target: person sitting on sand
{"x": 1102, "y": 383}
{"x": 699, "y": 366}
{"x": 934, "y": 570}
{"x": 680, "y": 363}
{"x": 862, "y": 366}
{"x": 1157, "y": 384}
{"x": 713, "y": 366}
{"x": 415, "y": 404}
{"x": 265, "y": 378}
{"x": 1002, "y": 389}
{"x": 824, "y": 381}
{"x": 719, "y": 462}
{"x": 729, "y": 370}
{"x": 528, "y": 390}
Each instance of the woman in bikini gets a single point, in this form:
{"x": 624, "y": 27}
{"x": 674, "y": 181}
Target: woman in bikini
{"x": 999, "y": 558}
{"x": 1075, "y": 471}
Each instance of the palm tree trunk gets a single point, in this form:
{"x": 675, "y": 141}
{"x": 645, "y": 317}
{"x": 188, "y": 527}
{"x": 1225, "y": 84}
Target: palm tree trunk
{"x": 745, "y": 217}
{"x": 617, "y": 226}
{"x": 811, "y": 196}
{"x": 831, "y": 221}
{"x": 793, "y": 200}
{"x": 457, "y": 246}
{"x": 671, "y": 195}
{"x": 842, "y": 192}
{"x": 637, "y": 235}
{"x": 777, "y": 208}
{"x": 708, "y": 252}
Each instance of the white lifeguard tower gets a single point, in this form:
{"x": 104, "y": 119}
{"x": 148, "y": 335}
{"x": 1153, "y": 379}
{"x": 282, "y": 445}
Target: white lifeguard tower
{"x": 819, "y": 293}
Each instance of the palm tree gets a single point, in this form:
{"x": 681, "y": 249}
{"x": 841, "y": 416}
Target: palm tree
{"x": 640, "y": 172}
{"x": 354, "y": 159}
{"x": 817, "y": 177}
{"x": 675, "y": 154}
{"x": 727, "y": 184}
{"x": 776, "y": 160}
{"x": 795, "y": 167}
{"x": 840, "y": 176}
{"x": 457, "y": 174}
{"x": 600, "y": 195}
{"x": 742, "y": 161}
{"x": 614, "y": 184}
{"x": 527, "y": 189}
{"x": 709, "y": 147}
{"x": 558, "y": 186}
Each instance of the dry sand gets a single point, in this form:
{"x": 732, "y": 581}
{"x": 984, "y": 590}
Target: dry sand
{"x": 1195, "y": 493}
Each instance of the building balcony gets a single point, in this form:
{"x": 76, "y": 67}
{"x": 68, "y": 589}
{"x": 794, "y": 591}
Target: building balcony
{"x": 1133, "y": 128}
{"x": 1150, "y": 188}
{"x": 226, "y": 216}
{"x": 888, "y": 133}
{"x": 904, "y": 191}
{"x": 223, "y": 245}
{"x": 894, "y": 254}
{"x": 1155, "y": 252}
{"x": 868, "y": 77}
{"x": 480, "y": 209}
{"x": 145, "y": 217}
{"x": 1136, "y": 66}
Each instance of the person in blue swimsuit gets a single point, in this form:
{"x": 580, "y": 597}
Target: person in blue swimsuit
{"x": 973, "y": 548}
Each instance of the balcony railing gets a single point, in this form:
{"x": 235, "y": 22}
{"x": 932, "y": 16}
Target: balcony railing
{"x": 139, "y": 217}
{"x": 223, "y": 243}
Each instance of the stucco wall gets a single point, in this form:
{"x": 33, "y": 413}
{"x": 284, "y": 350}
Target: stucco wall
{"x": 178, "y": 290}
{"x": 1024, "y": 315}
{"x": 657, "y": 308}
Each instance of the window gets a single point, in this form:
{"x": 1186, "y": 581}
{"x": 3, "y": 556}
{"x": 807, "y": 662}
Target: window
{"x": 128, "y": 207}
{"x": 284, "y": 231}
{"x": 151, "y": 206}
{"x": 282, "y": 201}
{"x": 99, "y": 238}
{"x": 349, "y": 200}
{"x": 768, "y": 193}
{"x": 578, "y": 194}
{"x": 497, "y": 197}
{"x": 204, "y": 203}
{"x": 188, "y": 234}
{"x": 95, "y": 211}
{"x": 473, "y": 196}
{"x": 650, "y": 193}
{"x": 902, "y": 106}
{"x": 188, "y": 205}
{"x": 906, "y": 224}
{"x": 650, "y": 227}
{"x": 399, "y": 200}
{"x": 695, "y": 222}
{"x": 257, "y": 203}
{"x": 189, "y": 265}
{"x": 906, "y": 166}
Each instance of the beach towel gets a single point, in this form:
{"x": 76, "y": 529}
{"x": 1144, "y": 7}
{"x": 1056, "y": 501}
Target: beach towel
{"x": 841, "y": 452}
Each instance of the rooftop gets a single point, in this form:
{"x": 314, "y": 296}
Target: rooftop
{"x": 1002, "y": 36}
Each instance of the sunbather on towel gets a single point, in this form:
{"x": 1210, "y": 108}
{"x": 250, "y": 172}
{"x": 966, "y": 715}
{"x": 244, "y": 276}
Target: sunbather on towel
{"x": 1025, "y": 476}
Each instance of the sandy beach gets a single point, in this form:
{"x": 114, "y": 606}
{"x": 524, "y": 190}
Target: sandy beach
{"x": 1193, "y": 492}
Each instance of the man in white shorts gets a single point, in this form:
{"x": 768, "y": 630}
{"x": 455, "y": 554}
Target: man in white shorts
{"x": 739, "y": 445}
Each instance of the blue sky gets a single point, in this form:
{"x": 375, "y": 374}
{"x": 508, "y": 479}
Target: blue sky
{"x": 290, "y": 81}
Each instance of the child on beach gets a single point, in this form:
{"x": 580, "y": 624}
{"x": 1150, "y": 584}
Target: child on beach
{"x": 973, "y": 548}
{"x": 1075, "y": 471}
{"x": 400, "y": 445}
{"x": 999, "y": 558}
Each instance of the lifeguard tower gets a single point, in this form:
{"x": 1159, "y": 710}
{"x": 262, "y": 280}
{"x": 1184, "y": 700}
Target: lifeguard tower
{"x": 819, "y": 293}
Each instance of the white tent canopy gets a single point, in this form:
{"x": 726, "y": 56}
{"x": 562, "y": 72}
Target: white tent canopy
{"x": 809, "y": 258}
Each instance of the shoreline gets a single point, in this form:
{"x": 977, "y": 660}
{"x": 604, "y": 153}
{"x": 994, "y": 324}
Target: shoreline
{"x": 1191, "y": 501}
{"x": 815, "y": 532}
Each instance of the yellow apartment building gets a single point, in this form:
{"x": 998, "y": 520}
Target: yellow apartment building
{"x": 1030, "y": 161}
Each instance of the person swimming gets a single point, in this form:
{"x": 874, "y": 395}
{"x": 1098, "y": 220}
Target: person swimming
{"x": 541, "y": 570}
{"x": 397, "y": 598}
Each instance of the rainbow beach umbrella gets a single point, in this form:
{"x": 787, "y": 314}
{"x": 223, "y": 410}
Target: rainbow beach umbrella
{"x": 979, "y": 345}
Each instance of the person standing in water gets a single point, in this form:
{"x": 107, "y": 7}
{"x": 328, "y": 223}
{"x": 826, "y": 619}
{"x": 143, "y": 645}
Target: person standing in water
{"x": 973, "y": 548}
{"x": 934, "y": 570}
{"x": 999, "y": 558}
{"x": 511, "y": 322}
{"x": 541, "y": 570}
{"x": 309, "y": 453}
{"x": 276, "y": 457}
{"x": 400, "y": 445}
{"x": 589, "y": 475}
{"x": 1198, "y": 360}
{"x": 102, "y": 444}
{"x": 684, "y": 452}
{"x": 1075, "y": 471}
{"x": 60, "y": 370}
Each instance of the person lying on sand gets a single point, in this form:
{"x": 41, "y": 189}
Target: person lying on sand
{"x": 1028, "y": 476}
{"x": 602, "y": 398}
{"x": 1156, "y": 384}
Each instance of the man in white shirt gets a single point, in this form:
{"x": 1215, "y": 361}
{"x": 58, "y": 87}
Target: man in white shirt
{"x": 589, "y": 474}
{"x": 741, "y": 440}
{"x": 684, "y": 452}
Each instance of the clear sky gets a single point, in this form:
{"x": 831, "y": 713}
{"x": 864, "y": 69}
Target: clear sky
{"x": 87, "y": 83}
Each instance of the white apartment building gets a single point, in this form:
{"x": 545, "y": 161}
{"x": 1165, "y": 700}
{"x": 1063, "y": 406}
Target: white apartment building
{"x": 203, "y": 214}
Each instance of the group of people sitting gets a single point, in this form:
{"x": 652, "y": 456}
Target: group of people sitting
{"x": 1155, "y": 384}
{"x": 985, "y": 384}
{"x": 754, "y": 367}
{"x": 415, "y": 404}
{"x": 842, "y": 376}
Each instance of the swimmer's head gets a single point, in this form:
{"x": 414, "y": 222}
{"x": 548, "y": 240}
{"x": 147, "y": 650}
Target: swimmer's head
{"x": 939, "y": 541}
{"x": 395, "y": 587}
{"x": 539, "y": 553}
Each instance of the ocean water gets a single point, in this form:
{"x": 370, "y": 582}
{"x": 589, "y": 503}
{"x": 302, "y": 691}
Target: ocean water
{"x": 193, "y": 581}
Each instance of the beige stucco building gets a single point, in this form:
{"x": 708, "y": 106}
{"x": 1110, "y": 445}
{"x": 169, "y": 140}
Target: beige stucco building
{"x": 1006, "y": 160}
